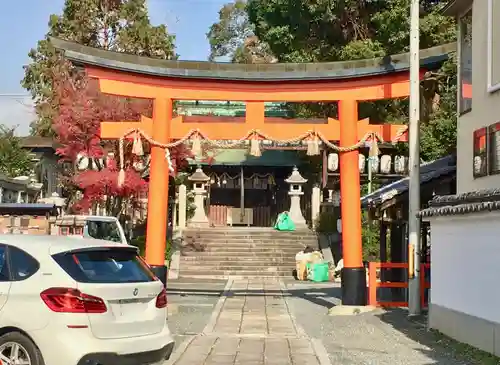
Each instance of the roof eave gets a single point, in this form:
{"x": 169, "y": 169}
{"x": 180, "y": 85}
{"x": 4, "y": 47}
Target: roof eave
{"x": 82, "y": 55}
{"x": 456, "y": 8}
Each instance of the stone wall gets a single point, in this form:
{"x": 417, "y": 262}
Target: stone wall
{"x": 25, "y": 224}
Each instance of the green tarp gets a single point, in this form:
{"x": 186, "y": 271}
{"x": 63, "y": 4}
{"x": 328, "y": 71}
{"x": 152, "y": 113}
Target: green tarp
{"x": 284, "y": 223}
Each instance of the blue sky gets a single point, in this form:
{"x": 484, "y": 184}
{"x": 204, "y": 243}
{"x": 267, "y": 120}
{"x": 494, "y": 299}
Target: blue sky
{"x": 24, "y": 22}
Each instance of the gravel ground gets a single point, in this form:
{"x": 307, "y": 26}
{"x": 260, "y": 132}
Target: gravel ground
{"x": 380, "y": 337}
{"x": 190, "y": 305}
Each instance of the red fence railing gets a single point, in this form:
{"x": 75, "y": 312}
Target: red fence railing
{"x": 374, "y": 284}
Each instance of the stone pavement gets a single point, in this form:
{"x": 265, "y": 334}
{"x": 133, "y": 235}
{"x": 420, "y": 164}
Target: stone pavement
{"x": 274, "y": 322}
{"x": 377, "y": 338}
{"x": 190, "y": 306}
{"x": 251, "y": 325}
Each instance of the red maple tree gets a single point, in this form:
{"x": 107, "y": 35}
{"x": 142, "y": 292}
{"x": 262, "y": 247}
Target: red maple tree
{"x": 82, "y": 107}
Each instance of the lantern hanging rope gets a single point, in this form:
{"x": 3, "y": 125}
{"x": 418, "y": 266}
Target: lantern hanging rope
{"x": 312, "y": 138}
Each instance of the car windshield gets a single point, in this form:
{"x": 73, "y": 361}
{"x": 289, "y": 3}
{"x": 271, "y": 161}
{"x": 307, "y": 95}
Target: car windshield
{"x": 103, "y": 230}
{"x": 106, "y": 265}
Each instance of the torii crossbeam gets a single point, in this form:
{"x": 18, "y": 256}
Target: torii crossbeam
{"x": 166, "y": 81}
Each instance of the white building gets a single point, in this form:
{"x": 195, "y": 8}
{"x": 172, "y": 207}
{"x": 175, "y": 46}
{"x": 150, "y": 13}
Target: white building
{"x": 465, "y": 228}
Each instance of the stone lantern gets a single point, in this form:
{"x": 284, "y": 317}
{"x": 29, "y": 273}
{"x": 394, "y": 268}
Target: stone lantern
{"x": 200, "y": 180}
{"x": 55, "y": 199}
{"x": 296, "y": 182}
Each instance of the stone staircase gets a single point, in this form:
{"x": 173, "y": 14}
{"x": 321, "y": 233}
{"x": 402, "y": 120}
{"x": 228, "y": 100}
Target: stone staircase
{"x": 245, "y": 252}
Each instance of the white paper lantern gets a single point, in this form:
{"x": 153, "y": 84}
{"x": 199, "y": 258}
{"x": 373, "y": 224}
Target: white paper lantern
{"x": 82, "y": 162}
{"x": 139, "y": 165}
{"x": 97, "y": 164}
{"x": 400, "y": 164}
{"x": 478, "y": 162}
{"x": 385, "y": 164}
{"x": 374, "y": 164}
{"x": 336, "y": 198}
{"x": 362, "y": 163}
{"x": 333, "y": 162}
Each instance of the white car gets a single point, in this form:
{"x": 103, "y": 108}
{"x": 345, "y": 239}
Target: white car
{"x": 73, "y": 302}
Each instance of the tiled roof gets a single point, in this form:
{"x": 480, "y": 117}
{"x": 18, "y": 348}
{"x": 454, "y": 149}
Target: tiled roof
{"x": 27, "y": 208}
{"x": 80, "y": 54}
{"x": 38, "y": 142}
{"x": 428, "y": 171}
{"x": 465, "y": 203}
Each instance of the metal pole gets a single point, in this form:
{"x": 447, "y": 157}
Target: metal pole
{"x": 242, "y": 195}
{"x": 369, "y": 192}
{"x": 414, "y": 163}
{"x": 369, "y": 174}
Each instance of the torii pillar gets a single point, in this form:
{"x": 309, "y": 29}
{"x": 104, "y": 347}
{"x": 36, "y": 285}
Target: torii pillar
{"x": 156, "y": 230}
{"x": 353, "y": 274}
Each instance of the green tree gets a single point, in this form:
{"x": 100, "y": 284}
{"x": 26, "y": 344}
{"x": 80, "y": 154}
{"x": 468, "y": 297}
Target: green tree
{"x": 14, "y": 159}
{"x": 117, "y": 25}
{"x": 233, "y": 37}
{"x": 340, "y": 30}
{"x": 336, "y": 30}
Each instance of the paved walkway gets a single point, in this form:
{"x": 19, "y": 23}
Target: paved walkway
{"x": 251, "y": 325}
{"x": 377, "y": 338}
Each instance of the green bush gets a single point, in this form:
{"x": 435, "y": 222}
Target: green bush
{"x": 140, "y": 243}
{"x": 326, "y": 222}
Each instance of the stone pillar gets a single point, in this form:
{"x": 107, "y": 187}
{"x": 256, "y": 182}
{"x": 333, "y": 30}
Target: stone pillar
{"x": 19, "y": 197}
{"x": 296, "y": 181}
{"x": 315, "y": 204}
{"x": 174, "y": 212}
{"x": 182, "y": 206}
{"x": 199, "y": 180}
{"x": 330, "y": 195}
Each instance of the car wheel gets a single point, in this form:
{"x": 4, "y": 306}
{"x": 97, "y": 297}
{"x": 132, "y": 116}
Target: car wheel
{"x": 16, "y": 348}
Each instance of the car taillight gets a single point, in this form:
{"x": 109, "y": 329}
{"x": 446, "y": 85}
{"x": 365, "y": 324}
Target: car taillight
{"x": 68, "y": 300}
{"x": 161, "y": 299}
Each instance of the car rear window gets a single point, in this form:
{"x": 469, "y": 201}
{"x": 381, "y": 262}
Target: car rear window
{"x": 114, "y": 265}
{"x": 103, "y": 230}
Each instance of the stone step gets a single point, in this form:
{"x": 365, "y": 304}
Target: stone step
{"x": 245, "y": 246}
{"x": 244, "y": 250}
{"x": 241, "y": 252}
{"x": 244, "y": 258}
{"x": 224, "y": 274}
{"x": 219, "y": 234}
{"x": 245, "y": 229}
{"x": 209, "y": 267}
{"x": 204, "y": 239}
{"x": 248, "y": 249}
{"x": 216, "y": 237}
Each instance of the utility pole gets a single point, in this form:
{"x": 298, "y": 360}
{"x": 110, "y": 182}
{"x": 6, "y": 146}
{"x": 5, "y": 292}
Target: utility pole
{"x": 414, "y": 163}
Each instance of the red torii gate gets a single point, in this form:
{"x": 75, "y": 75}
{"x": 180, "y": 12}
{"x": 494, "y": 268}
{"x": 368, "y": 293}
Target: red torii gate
{"x": 166, "y": 81}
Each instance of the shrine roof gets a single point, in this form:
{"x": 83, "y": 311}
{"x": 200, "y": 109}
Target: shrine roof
{"x": 79, "y": 54}
{"x": 241, "y": 157}
{"x": 429, "y": 172}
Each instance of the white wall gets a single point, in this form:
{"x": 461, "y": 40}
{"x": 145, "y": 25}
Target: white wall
{"x": 465, "y": 256}
{"x": 485, "y": 105}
